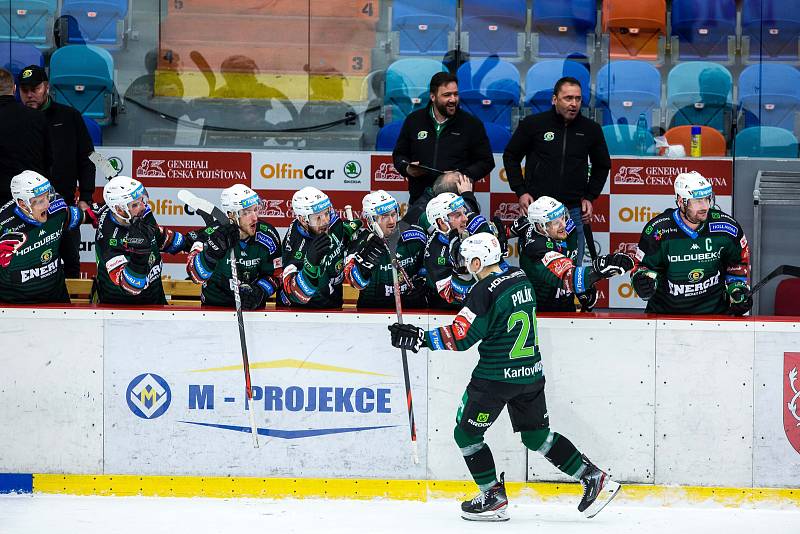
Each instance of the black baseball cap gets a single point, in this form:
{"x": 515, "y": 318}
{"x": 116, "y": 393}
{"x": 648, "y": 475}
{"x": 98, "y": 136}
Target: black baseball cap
{"x": 31, "y": 75}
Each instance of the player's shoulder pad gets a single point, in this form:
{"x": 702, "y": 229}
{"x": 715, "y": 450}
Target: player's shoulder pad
{"x": 721, "y": 222}
{"x": 414, "y": 233}
{"x": 659, "y": 225}
{"x": 476, "y": 222}
{"x": 267, "y": 237}
{"x": 537, "y": 245}
{"x": 56, "y": 205}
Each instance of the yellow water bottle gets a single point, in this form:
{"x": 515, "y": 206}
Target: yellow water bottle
{"x": 696, "y": 143}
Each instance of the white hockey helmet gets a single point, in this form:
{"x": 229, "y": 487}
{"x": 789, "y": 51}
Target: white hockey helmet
{"x": 29, "y": 184}
{"x": 119, "y": 192}
{"x": 378, "y": 203}
{"x": 236, "y": 198}
{"x": 483, "y": 246}
{"x": 692, "y": 184}
{"x": 308, "y": 201}
{"x": 440, "y": 206}
{"x": 544, "y": 210}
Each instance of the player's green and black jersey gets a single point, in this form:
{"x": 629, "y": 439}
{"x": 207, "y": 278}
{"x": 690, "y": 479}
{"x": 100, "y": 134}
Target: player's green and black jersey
{"x": 315, "y": 286}
{"x": 500, "y": 313}
{"x": 117, "y": 281}
{"x": 692, "y": 266}
{"x": 376, "y": 289}
{"x": 258, "y": 262}
{"x": 550, "y": 266}
{"x": 447, "y": 289}
{"x": 35, "y": 274}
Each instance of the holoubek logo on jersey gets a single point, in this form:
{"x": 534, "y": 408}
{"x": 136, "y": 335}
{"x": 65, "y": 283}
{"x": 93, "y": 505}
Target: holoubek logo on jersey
{"x": 148, "y": 396}
{"x": 791, "y": 398}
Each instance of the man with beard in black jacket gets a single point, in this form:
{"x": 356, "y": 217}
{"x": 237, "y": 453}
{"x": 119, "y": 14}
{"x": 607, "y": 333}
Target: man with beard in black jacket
{"x": 441, "y": 137}
{"x": 557, "y": 146}
{"x": 71, "y": 145}
{"x": 24, "y": 138}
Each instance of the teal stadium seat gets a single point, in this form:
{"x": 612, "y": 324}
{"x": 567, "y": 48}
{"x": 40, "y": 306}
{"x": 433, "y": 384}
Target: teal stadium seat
{"x": 83, "y": 77}
{"x": 769, "y": 95}
{"x": 97, "y": 21}
{"x": 625, "y": 140}
{"x": 489, "y": 89}
{"x": 700, "y": 93}
{"x": 28, "y": 21}
{"x": 766, "y": 142}
{"x": 627, "y": 88}
{"x": 542, "y": 77}
{"x": 408, "y": 86}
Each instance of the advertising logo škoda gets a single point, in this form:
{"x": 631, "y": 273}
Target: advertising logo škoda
{"x": 148, "y": 396}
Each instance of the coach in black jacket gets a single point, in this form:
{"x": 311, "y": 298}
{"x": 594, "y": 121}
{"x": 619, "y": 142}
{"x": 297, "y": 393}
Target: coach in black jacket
{"x": 24, "y": 138}
{"x": 557, "y": 146}
{"x": 71, "y": 145}
{"x": 441, "y": 136}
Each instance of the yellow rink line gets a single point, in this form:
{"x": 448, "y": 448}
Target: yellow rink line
{"x": 410, "y": 490}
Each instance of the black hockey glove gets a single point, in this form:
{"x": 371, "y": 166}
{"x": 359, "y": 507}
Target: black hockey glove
{"x": 224, "y": 238}
{"x": 457, "y": 262}
{"x": 519, "y": 228}
{"x": 317, "y": 250}
{"x": 612, "y": 264}
{"x": 738, "y": 299}
{"x": 588, "y": 299}
{"x": 369, "y": 254}
{"x": 406, "y": 336}
{"x": 644, "y": 283}
{"x": 503, "y": 234}
{"x": 252, "y": 296}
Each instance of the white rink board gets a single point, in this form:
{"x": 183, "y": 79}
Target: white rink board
{"x": 775, "y": 462}
{"x": 600, "y": 393}
{"x": 704, "y": 402}
{"x": 51, "y": 391}
{"x": 325, "y": 437}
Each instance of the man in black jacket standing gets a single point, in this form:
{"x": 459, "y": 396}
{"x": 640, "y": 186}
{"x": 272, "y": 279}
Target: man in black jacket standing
{"x": 557, "y": 146}
{"x": 443, "y": 137}
{"x": 24, "y": 138}
{"x": 71, "y": 148}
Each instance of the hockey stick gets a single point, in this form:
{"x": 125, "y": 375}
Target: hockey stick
{"x": 781, "y": 270}
{"x": 204, "y": 206}
{"x": 398, "y": 306}
{"x": 205, "y": 69}
{"x": 589, "y": 237}
{"x": 102, "y": 164}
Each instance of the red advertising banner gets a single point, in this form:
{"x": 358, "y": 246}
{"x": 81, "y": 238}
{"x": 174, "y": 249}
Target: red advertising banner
{"x": 791, "y": 397}
{"x": 383, "y": 175}
{"x": 168, "y": 168}
{"x": 655, "y": 176}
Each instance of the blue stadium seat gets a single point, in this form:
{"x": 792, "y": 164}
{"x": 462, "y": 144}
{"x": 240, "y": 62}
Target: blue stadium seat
{"x": 700, "y": 93}
{"x": 498, "y": 136}
{"x": 489, "y": 89}
{"x": 769, "y": 95}
{"x": 95, "y": 132}
{"x": 83, "y": 77}
{"x": 542, "y": 77}
{"x": 387, "y": 136}
{"x": 16, "y": 56}
{"x": 559, "y": 29}
{"x": 624, "y": 140}
{"x": 408, "y": 86}
{"x": 766, "y": 142}
{"x": 424, "y": 26}
{"x": 770, "y": 30}
{"x": 627, "y": 88}
{"x": 96, "y": 21}
{"x": 493, "y": 27}
{"x": 703, "y": 30}
{"x": 28, "y": 21}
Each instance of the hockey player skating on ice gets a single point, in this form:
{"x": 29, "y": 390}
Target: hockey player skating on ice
{"x": 369, "y": 267}
{"x": 499, "y": 313}
{"x": 313, "y": 252}
{"x": 129, "y": 245}
{"x": 448, "y": 216}
{"x": 548, "y": 248}
{"x": 693, "y": 259}
{"x": 256, "y": 245}
{"x": 31, "y": 226}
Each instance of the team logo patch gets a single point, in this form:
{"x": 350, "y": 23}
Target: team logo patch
{"x": 724, "y": 227}
{"x": 549, "y": 136}
{"x": 791, "y": 395}
{"x": 47, "y": 255}
{"x": 482, "y": 417}
{"x": 422, "y": 135}
{"x": 695, "y": 275}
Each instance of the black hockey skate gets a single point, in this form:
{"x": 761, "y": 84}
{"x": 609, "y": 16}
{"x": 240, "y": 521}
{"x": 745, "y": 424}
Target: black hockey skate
{"x": 598, "y": 490}
{"x": 489, "y": 505}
